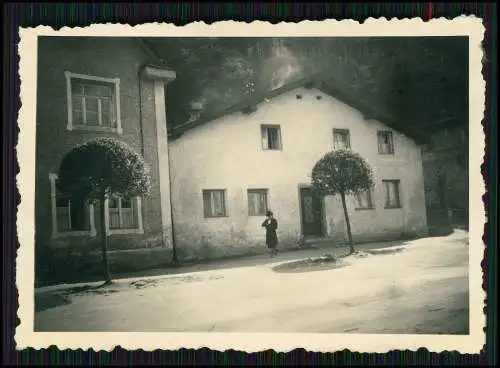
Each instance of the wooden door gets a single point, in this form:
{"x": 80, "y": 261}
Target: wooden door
{"x": 311, "y": 212}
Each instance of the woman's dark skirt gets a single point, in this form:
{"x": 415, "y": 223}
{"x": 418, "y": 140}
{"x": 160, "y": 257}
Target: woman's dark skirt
{"x": 271, "y": 239}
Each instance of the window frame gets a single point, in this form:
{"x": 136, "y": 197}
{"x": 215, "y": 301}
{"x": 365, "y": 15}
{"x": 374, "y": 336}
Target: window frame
{"x": 347, "y": 134}
{"x": 61, "y": 234}
{"x": 370, "y": 197}
{"x": 140, "y": 226}
{"x": 391, "y": 150}
{"x": 259, "y": 191}
{"x": 224, "y": 204}
{"x": 266, "y": 127}
{"x": 115, "y": 87}
{"x": 385, "y": 183}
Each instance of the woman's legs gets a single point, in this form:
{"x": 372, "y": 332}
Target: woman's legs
{"x": 271, "y": 251}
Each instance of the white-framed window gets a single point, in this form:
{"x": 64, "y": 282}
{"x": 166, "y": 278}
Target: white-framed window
{"x": 385, "y": 142}
{"x": 392, "y": 193}
{"x": 257, "y": 202}
{"x": 214, "y": 203}
{"x": 124, "y": 215}
{"x": 271, "y": 137}
{"x": 364, "y": 200}
{"x": 70, "y": 217}
{"x": 341, "y": 139}
{"x": 93, "y": 103}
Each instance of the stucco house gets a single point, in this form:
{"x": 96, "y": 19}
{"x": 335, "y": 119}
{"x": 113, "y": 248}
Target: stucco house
{"x": 213, "y": 177}
{"x": 229, "y": 168}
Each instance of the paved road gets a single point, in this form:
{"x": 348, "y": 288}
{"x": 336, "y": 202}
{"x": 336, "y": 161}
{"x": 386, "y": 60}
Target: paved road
{"x": 420, "y": 290}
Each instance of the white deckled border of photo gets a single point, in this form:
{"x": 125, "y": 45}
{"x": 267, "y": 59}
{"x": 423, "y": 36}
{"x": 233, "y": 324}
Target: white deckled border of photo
{"x": 461, "y": 26}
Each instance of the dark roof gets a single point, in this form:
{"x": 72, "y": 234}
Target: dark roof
{"x": 319, "y": 81}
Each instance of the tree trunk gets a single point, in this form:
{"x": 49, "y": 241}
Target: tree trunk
{"x": 346, "y": 215}
{"x": 104, "y": 243}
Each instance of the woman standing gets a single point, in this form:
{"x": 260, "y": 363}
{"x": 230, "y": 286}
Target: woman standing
{"x": 271, "y": 237}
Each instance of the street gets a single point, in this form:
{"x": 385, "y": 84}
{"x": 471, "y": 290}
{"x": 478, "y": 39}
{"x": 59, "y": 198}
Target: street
{"x": 421, "y": 289}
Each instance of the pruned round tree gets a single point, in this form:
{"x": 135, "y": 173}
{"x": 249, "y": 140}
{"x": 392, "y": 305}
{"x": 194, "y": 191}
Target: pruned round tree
{"x": 342, "y": 172}
{"x": 101, "y": 168}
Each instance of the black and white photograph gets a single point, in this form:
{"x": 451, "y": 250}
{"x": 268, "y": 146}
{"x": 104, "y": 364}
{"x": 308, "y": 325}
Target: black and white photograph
{"x": 277, "y": 184}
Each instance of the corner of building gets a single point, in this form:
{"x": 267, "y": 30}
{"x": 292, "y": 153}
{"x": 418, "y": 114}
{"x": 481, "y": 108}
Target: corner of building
{"x": 160, "y": 77}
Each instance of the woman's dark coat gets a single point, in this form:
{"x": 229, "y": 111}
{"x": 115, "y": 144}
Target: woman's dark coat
{"x": 271, "y": 237}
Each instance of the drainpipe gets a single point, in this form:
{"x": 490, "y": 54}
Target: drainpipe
{"x": 141, "y": 120}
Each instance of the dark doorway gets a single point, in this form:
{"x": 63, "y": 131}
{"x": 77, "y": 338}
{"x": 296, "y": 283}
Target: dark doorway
{"x": 311, "y": 212}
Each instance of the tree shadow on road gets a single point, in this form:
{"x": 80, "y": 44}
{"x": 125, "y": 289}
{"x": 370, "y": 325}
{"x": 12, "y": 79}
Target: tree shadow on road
{"x": 329, "y": 262}
{"x": 325, "y": 262}
{"x": 49, "y": 301}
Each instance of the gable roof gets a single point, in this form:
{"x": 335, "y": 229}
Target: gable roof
{"x": 319, "y": 81}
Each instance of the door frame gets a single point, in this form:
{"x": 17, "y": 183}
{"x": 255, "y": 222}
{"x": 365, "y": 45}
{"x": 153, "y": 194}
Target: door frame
{"x": 322, "y": 216}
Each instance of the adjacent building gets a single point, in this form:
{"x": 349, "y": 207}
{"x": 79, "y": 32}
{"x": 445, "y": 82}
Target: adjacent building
{"x": 446, "y": 173}
{"x": 99, "y": 87}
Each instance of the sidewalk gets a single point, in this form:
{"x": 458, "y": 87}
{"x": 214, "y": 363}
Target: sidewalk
{"x": 248, "y": 261}
{"x": 243, "y": 261}
{"x": 260, "y": 259}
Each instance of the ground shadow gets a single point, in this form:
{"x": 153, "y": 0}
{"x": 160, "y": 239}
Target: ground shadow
{"x": 103, "y": 289}
{"x": 148, "y": 283}
{"x": 325, "y": 262}
{"x": 48, "y": 301}
{"x": 328, "y": 261}
{"x": 381, "y": 252}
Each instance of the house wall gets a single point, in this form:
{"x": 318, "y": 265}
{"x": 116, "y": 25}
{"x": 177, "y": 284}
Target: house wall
{"x": 227, "y": 154}
{"x": 104, "y": 57}
{"x": 445, "y": 163}
{"x": 447, "y": 151}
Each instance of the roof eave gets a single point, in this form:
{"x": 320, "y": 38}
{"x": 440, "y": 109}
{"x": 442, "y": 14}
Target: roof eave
{"x": 320, "y": 82}
{"x": 152, "y": 54}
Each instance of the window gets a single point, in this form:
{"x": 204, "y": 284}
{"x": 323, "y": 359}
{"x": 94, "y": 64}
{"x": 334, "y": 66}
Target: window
{"x": 257, "y": 202}
{"x": 385, "y": 143}
{"x": 271, "y": 137}
{"x": 93, "y": 103}
{"x": 341, "y": 139}
{"x": 392, "y": 193}
{"x": 70, "y": 216}
{"x": 364, "y": 200}
{"x": 214, "y": 203}
{"x": 124, "y": 215}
